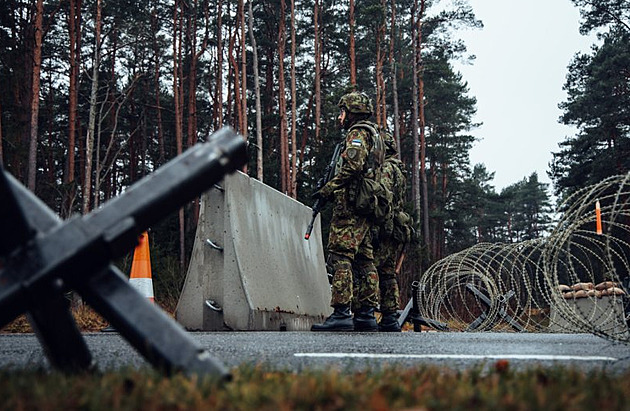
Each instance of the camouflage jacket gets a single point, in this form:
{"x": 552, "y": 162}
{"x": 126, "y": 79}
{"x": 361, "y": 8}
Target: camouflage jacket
{"x": 354, "y": 159}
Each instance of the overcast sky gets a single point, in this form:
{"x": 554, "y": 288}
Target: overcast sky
{"x": 522, "y": 56}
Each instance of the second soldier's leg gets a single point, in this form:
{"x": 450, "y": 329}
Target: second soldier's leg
{"x": 367, "y": 296}
{"x": 388, "y": 283}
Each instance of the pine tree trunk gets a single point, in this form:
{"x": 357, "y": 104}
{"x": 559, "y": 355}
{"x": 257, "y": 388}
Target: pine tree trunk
{"x": 415, "y": 178}
{"x": 241, "y": 14}
{"x": 37, "y": 61}
{"x": 218, "y": 104}
{"x": 394, "y": 77}
{"x": 177, "y": 94}
{"x": 351, "y": 45}
{"x": 191, "y": 35}
{"x": 50, "y": 113}
{"x": 112, "y": 111}
{"x": 89, "y": 141}
{"x": 156, "y": 82}
{"x": 236, "y": 84}
{"x": 284, "y": 138}
{"x": 309, "y": 111}
{"x": 229, "y": 109}
{"x": 318, "y": 76}
{"x": 74, "y": 34}
{"x": 423, "y": 145}
{"x": 293, "y": 185}
{"x": 259, "y": 139}
{"x": 232, "y": 104}
{"x": 192, "y": 91}
{"x": 191, "y": 131}
{"x": 381, "y": 119}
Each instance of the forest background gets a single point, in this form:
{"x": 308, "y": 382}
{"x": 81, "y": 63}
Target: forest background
{"x": 99, "y": 93}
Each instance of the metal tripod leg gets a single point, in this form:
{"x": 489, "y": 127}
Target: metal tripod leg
{"x": 502, "y": 300}
{"x": 62, "y": 341}
{"x": 412, "y": 313}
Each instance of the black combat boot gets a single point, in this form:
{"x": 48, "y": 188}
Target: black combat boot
{"x": 389, "y": 322}
{"x": 339, "y": 320}
{"x": 364, "y": 319}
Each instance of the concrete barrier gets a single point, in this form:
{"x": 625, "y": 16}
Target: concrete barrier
{"x": 251, "y": 268}
{"x": 601, "y": 315}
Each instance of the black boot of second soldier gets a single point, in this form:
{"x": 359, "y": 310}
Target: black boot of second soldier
{"x": 339, "y": 320}
{"x": 364, "y": 319}
{"x": 389, "y": 322}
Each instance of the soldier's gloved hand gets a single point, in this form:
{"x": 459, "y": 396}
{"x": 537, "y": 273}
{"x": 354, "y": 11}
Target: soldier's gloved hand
{"x": 323, "y": 193}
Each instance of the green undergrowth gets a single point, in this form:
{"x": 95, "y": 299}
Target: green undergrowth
{"x": 259, "y": 388}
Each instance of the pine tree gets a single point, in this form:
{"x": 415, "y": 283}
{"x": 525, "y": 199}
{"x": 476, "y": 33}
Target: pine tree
{"x": 599, "y": 105}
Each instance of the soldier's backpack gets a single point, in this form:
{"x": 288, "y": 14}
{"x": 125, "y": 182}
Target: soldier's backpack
{"x": 373, "y": 200}
{"x": 394, "y": 179}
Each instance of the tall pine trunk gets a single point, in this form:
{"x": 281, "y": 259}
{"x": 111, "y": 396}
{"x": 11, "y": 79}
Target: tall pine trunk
{"x": 241, "y": 14}
{"x": 351, "y": 45}
{"x": 89, "y": 141}
{"x": 284, "y": 138}
{"x": 259, "y": 139}
{"x": 415, "y": 177}
{"x": 177, "y": 94}
{"x": 191, "y": 36}
{"x": 192, "y": 84}
{"x": 236, "y": 80}
{"x": 156, "y": 82}
{"x": 381, "y": 119}
{"x": 293, "y": 186}
{"x": 394, "y": 77}
{"x": 74, "y": 43}
{"x": 423, "y": 144}
{"x": 318, "y": 75}
{"x": 218, "y": 103}
{"x": 37, "y": 67}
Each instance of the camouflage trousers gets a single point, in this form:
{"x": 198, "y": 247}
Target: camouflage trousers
{"x": 385, "y": 258}
{"x": 350, "y": 249}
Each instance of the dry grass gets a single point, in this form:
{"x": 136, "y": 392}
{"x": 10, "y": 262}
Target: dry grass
{"x": 86, "y": 318}
{"x": 257, "y": 388}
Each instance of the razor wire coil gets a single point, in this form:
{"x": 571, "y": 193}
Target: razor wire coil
{"x": 574, "y": 280}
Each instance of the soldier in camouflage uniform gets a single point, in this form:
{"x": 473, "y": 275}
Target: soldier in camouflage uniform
{"x": 349, "y": 242}
{"x": 388, "y": 245}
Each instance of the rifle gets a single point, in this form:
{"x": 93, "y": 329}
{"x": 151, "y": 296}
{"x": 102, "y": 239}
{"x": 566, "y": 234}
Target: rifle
{"x": 329, "y": 173}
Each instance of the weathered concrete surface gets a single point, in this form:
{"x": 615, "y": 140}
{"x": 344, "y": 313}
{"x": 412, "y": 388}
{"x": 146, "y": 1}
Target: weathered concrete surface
{"x": 605, "y": 314}
{"x": 267, "y": 277}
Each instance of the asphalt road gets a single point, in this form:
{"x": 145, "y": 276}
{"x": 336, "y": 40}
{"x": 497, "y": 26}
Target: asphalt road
{"x": 297, "y": 351}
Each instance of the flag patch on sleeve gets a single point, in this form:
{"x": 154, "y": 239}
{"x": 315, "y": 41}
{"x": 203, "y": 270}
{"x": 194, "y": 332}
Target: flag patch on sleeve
{"x": 356, "y": 142}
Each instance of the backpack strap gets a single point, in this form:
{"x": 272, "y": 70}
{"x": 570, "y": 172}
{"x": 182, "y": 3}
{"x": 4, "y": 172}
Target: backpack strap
{"x": 377, "y": 151}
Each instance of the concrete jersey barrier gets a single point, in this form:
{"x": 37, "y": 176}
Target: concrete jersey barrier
{"x": 251, "y": 268}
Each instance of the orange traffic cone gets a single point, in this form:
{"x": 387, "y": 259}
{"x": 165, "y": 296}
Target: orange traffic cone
{"x": 140, "y": 277}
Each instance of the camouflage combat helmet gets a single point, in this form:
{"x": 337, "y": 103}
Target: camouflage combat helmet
{"x": 390, "y": 143}
{"x": 357, "y": 103}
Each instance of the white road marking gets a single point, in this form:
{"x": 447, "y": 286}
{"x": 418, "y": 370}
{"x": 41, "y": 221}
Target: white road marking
{"x": 455, "y": 356}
